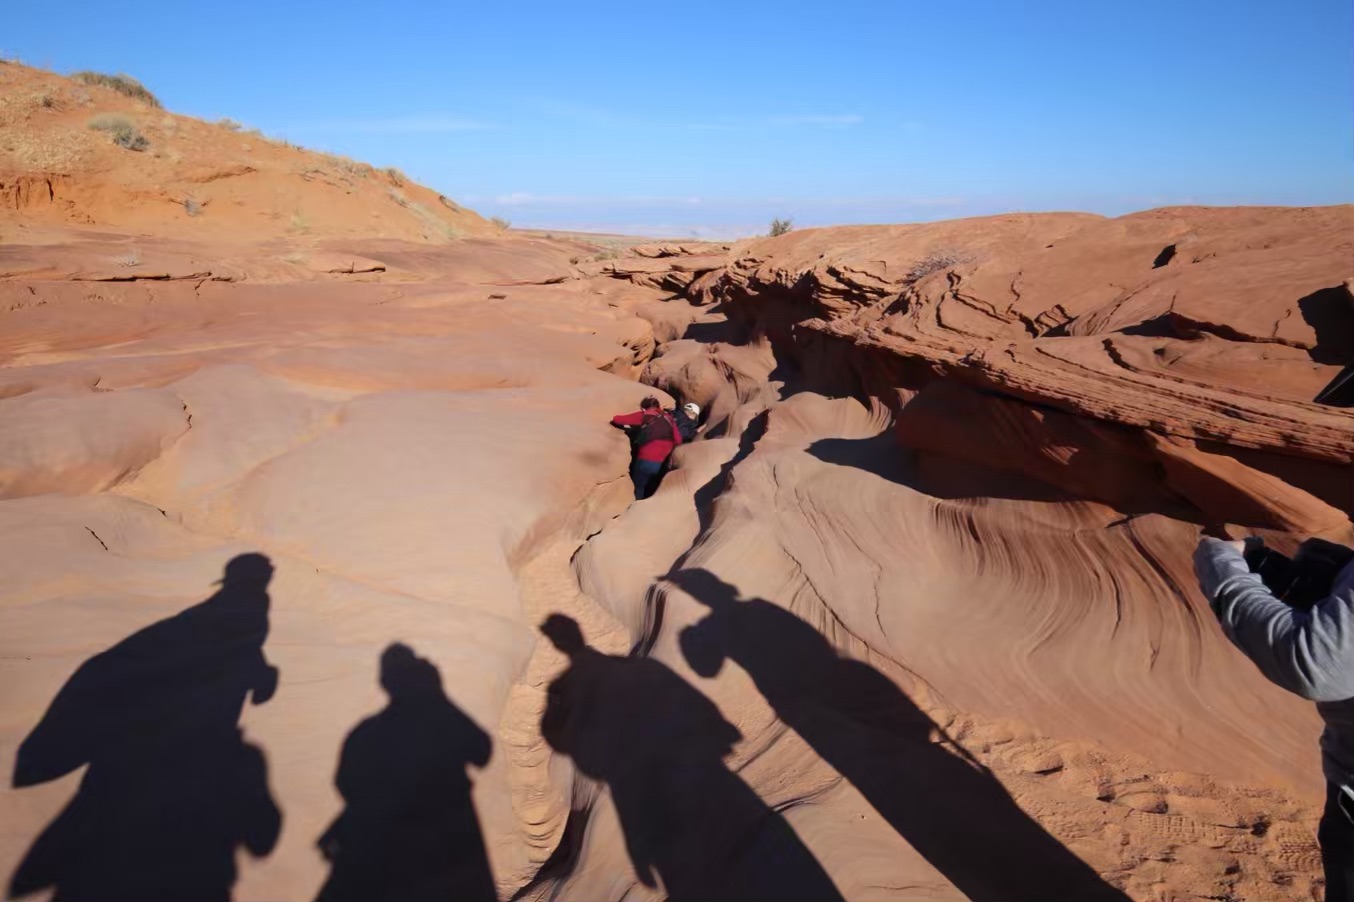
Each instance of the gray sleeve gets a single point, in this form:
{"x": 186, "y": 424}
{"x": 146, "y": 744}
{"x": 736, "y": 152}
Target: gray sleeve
{"x": 1310, "y": 653}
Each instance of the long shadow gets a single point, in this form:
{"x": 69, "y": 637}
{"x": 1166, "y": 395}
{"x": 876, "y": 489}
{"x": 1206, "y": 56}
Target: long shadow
{"x": 172, "y": 789}
{"x": 956, "y": 479}
{"x": 879, "y": 454}
{"x": 1331, "y": 317}
{"x": 947, "y": 806}
{"x": 704, "y": 500}
{"x": 408, "y": 830}
{"x": 705, "y": 496}
{"x": 659, "y": 745}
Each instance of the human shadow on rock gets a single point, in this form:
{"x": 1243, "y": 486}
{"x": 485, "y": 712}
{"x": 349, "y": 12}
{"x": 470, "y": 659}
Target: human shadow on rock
{"x": 172, "y": 788}
{"x": 1331, "y": 317}
{"x": 940, "y": 800}
{"x": 659, "y": 745}
{"x": 409, "y": 830}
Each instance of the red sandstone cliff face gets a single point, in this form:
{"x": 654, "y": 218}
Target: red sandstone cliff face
{"x": 978, "y": 455}
{"x": 920, "y": 592}
{"x": 1183, "y": 347}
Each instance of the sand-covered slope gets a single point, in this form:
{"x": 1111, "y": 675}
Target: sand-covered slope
{"x": 171, "y": 175}
{"x": 914, "y": 617}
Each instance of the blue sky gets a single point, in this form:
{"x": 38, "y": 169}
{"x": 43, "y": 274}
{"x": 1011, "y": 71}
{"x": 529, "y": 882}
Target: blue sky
{"x": 710, "y": 118}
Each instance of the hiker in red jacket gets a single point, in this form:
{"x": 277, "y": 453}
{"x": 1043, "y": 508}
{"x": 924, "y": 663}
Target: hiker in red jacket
{"x": 655, "y": 434}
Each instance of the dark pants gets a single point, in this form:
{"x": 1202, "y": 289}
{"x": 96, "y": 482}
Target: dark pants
{"x": 1336, "y": 835}
{"x": 644, "y": 474}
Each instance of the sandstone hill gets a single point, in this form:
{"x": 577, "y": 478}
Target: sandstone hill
{"x": 83, "y": 153}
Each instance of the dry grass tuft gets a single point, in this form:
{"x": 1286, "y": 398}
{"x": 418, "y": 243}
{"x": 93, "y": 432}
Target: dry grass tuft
{"x": 935, "y": 262}
{"x": 123, "y": 84}
{"x": 348, "y": 166}
{"x": 121, "y": 129}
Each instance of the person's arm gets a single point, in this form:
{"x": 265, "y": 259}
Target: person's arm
{"x": 628, "y": 419}
{"x": 1310, "y": 653}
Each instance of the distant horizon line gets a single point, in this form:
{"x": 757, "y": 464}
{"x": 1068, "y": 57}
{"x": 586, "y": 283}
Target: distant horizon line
{"x": 738, "y": 233}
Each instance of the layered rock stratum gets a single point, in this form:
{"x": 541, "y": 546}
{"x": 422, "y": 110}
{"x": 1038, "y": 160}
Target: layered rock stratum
{"x": 914, "y": 617}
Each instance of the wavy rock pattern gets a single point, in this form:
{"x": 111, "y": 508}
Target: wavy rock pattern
{"x": 916, "y": 608}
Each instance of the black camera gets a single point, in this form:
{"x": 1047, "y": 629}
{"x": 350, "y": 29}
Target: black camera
{"x": 1304, "y": 579}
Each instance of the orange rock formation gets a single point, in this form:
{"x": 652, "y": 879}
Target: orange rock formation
{"x": 914, "y": 617}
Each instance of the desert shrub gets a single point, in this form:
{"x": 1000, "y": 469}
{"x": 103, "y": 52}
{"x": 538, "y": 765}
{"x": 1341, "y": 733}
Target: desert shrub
{"x": 123, "y": 84}
{"x": 396, "y": 177}
{"x": 780, "y": 227}
{"x": 348, "y": 166}
{"x": 121, "y": 130}
{"x": 229, "y": 124}
{"x": 435, "y": 222}
{"x": 934, "y": 262}
{"x": 500, "y": 222}
{"x": 192, "y": 207}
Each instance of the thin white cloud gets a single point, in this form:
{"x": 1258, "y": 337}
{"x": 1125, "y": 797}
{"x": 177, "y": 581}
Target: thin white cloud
{"x": 587, "y": 115}
{"x": 427, "y": 124}
{"x": 528, "y": 199}
{"x": 752, "y": 123}
{"x": 597, "y": 117}
{"x": 816, "y": 120}
{"x": 884, "y": 200}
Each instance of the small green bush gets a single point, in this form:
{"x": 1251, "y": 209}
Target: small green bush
{"x": 780, "y": 227}
{"x": 121, "y": 130}
{"x": 123, "y": 84}
{"x": 229, "y": 124}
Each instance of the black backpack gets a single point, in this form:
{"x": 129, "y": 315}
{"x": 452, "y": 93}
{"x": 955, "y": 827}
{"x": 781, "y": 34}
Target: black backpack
{"x": 656, "y": 429}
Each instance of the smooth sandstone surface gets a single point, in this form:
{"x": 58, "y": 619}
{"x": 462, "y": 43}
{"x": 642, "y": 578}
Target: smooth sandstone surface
{"x": 914, "y": 617}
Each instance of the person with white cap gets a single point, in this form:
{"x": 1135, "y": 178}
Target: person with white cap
{"x": 688, "y": 420}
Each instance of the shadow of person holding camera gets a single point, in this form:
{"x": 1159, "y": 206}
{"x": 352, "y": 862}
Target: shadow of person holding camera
{"x": 691, "y": 824}
{"x": 946, "y": 805}
{"x": 172, "y": 788}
